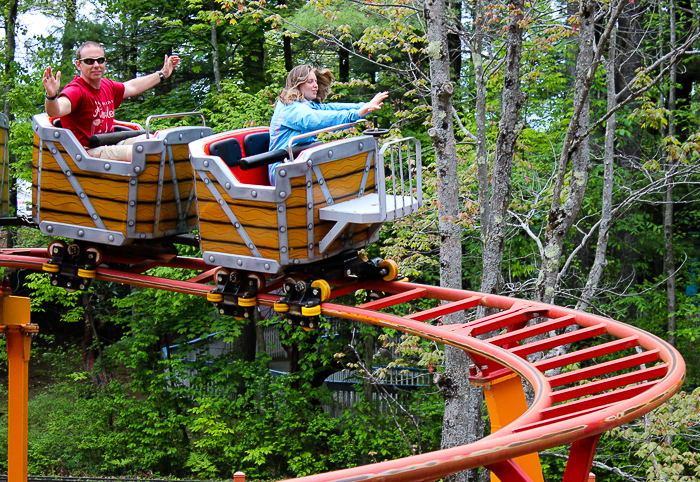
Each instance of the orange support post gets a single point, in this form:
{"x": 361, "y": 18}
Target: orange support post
{"x": 505, "y": 400}
{"x": 239, "y": 477}
{"x": 14, "y": 322}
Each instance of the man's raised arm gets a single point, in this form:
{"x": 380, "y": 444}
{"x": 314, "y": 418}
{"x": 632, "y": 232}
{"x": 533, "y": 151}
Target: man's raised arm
{"x": 55, "y": 106}
{"x": 142, "y": 84}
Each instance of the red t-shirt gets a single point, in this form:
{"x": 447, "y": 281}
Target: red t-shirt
{"x": 92, "y": 110}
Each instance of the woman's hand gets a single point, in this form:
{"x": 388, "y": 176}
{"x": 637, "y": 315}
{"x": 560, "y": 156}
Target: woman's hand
{"x": 376, "y": 103}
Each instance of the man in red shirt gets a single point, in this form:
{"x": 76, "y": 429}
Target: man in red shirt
{"x": 86, "y": 104}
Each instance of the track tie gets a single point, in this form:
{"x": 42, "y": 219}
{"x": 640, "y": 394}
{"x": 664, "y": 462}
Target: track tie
{"x": 523, "y": 333}
{"x": 393, "y": 299}
{"x": 445, "y": 309}
{"x": 587, "y": 353}
{"x": 554, "y": 341}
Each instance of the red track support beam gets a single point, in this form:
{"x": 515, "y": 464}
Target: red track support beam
{"x": 508, "y": 471}
{"x": 578, "y": 467}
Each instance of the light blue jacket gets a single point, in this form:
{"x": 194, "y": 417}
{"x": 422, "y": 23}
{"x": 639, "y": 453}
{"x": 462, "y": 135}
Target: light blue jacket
{"x": 297, "y": 118}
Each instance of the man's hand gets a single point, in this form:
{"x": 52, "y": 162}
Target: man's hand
{"x": 51, "y": 83}
{"x": 376, "y": 103}
{"x": 169, "y": 65}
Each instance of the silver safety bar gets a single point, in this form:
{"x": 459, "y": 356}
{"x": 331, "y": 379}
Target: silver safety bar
{"x": 405, "y": 169}
{"x": 315, "y": 133}
{"x": 168, "y": 116}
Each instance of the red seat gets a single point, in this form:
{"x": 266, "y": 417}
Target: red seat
{"x": 259, "y": 175}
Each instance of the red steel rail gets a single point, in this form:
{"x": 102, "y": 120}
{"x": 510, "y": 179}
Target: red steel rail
{"x": 628, "y": 372}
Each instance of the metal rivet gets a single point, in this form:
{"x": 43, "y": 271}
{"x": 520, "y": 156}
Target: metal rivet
{"x": 82, "y": 195}
{"x": 108, "y": 166}
{"x": 283, "y": 229}
{"x": 283, "y": 249}
{"x": 221, "y": 202}
{"x": 329, "y": 201}
{"x": 309, "y": 163}
{"x": 283, "y": 173}
{"x": 94, "y": 216}
{"x": 137, "y": 169}
{"x": 201, "y": 133}
{"x": 280, "y": 209}
{"x": 133, "y": 182}
{"x": 296, "y": 261}
{"x": 81, "y": 233}
{"x": 54, "y": 151}
{"x": 362, "y": 191}
{"x": 211, "y": 258}
{"x": 320, "y": 181}
{"x": 311, "y": 245}
{"x": 254, "y": 193}
{"x": 131, "y": 223}
{"x": 206, "y": 163}
{"x": 251, "y": 246}
{"x": 310, "y": 206}
{"x": 237, "y": 225}
{"x": 110, "y": 237}
{"x": 360, "y": 146}
{"x": 165, "y": 141}
{"x": 78, "y": 158}
{"x": 366, "y": 168}
{"x": 68, "y": 174}
{"x": 228, "y": 185}
{"x": 160, "y": 183}
{"x": 132, "y": 203}
{"x": 311, "y": 226}
{"x": 239, "y": 262}
{"x": 57, "y": 134}
{"x": 308, "y": 183}
{"x": 49, "y": 229}
{"x": 283, "y": 194}
{"x": 330, "y": 154}
{"x": 139, "y": 148}
{"x": 206, "y": 180}
{"x": 180, "y": 136}
{"x": 143, "y": 235}
{"x": 267, "y": 265}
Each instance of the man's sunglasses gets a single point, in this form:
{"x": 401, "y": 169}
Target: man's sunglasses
{"x": 92, "y": 60}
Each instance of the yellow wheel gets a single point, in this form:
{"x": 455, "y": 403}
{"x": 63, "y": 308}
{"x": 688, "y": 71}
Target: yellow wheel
{"x": 55, "y": 247}
{"x": 87, "y": 273}
{"x": 392, "y": 269}
{"x": 245, "y": 302}
{"x": 313, "y": 311}
{"x": 281, "y": 307}
{"x": 403, "y": 280}
{"x": 324, "y": 287}
{"x": 215, "y": 297}
{"x": 50, "y": 268}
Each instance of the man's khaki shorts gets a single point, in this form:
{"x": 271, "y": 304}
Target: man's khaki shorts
{"x": 119, "y": 152}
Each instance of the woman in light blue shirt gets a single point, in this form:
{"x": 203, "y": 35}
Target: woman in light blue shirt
{"x": 300, "y": 108}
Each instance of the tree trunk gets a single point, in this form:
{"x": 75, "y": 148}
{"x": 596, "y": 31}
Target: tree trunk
{"x": 509, "y": 129}
{"x": 215, "y": 57}
{"x": 600, "y": 261}
{"x": 68, "y": 41}
{"x": 669, "y": 263}
{"x": 10, "y": 26}
{"x": 344, "y": 63}
{"x": 481, "y": 141}
{"x": 562, "y": 214}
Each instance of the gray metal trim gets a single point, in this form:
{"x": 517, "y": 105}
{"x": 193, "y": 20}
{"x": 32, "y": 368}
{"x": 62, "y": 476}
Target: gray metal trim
{"x": 261, "y": 265}
{"x": 183, "y": 134}
{"x": 38, "y": 181}
{"x": 183, "y": 221}
{"x": 4, "y": 121}
{"x": 365, "y": 175}
{"x": 173, "y": 176}
{"x": 72, "y": 231}
{"x": 131, "y": 207}
{"x": 248, "y": 192}
{"x": 231, "y": 217}
{"x": 95, "y": 164}
{"x": 159, "y": 192}
{"x": 84, "y": 198}
{"x": 322, "y": 184}
{"x": 310, "y": 214}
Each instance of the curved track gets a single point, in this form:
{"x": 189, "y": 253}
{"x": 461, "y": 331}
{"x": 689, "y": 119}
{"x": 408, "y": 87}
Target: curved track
{"x": 631, "y": 373}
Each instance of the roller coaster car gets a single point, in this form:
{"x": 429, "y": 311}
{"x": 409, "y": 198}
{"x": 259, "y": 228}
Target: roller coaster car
{"x": 329, "y": 201}
{"x": 114, "y": 202}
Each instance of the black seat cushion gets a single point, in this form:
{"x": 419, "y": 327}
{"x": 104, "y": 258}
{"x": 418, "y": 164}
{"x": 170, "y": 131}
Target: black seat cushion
{"x": 256, "y": 143}
{"x": 57, "y": 122}
{"x": 229, "y": 150}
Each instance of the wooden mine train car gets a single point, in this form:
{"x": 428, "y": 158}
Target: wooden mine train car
{"x": 330, "y": 199}
{"x": 113, "y": 202}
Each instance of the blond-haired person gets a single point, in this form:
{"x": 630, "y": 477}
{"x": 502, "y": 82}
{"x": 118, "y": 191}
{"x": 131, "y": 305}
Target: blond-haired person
{"x": 300, "y": 108}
